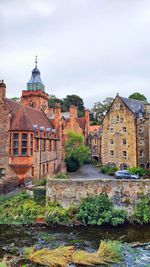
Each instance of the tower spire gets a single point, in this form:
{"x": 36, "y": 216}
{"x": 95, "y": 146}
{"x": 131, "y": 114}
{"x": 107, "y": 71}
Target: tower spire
{"x": 36, "y": 61}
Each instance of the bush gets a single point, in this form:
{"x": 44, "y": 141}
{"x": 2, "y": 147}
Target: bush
{"x": 112, "y": 170}
{"x": 61, "y": 176}
{"x": 100, "y": 210}
{"x": 142, "y": 211}
{"x": 40, "y": 182}
{"x": 108, "y": 170}
{"x": 19, "y": 209}
{"x": 39, "y": 194}
{"x": 55, "y": 214}
{"x": 137, "y": 170}
{"x": 104, "y": 169}
{"x": 72, "y": 164}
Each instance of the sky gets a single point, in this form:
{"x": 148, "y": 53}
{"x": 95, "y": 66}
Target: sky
{"x": 91, "y": 48}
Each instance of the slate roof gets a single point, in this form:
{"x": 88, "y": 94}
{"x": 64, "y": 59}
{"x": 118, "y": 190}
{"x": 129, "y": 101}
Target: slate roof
{"x": 136, "y": 106}
{"x": 23, "y": 118}
{"x": 35, "y": 77}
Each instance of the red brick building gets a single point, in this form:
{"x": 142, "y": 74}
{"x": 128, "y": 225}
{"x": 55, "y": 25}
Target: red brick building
{"x": 31, "y": 135}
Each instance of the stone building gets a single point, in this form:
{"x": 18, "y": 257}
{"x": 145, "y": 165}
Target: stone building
{"x": 126, "y": 134}
{"x": 94, "y": 142}
{"x": 32, "y": 135}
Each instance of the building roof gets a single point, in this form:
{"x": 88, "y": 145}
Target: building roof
{"x": 136, "y": 106}
{"x": 24, "y": 118}
{"x": 35, "y": 83}
{"x": 94, "y": 128}
{"x": 81, "y": 122}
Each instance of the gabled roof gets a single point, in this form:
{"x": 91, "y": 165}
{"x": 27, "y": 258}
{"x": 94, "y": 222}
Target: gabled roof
{"x": 81, "y": 122}
{"x": 136, "y": 106}
{"x": 30, "y": 116}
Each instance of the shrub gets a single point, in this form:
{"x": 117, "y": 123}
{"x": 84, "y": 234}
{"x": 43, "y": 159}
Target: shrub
{"x": 56, "y": 215}
{"x": 112, "y": 170}
{"x": 104, "y": 169}
{"x": 137, "y": 170}
{"x": 100, "y": 210}
{"x": 62, "y": 176}
{"x": 72, "y": 164}
{"x": 39, "y": 194}
{"x": 19, "y": 209}
{"x": 40, "y": 182}
{"x": 108, "y": 170}
{"x": 142, "y": 210}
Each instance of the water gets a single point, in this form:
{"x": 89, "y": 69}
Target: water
{"x": 13, "y": 240}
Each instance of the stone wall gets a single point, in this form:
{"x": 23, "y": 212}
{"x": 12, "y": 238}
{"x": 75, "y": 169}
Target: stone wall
{"x": 71, "y": 191}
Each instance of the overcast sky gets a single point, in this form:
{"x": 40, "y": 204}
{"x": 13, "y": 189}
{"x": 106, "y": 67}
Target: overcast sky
{"x": 92, "y": 48}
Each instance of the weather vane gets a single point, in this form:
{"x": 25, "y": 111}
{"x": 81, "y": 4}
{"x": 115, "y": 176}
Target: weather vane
{"x": 35, "y": 61}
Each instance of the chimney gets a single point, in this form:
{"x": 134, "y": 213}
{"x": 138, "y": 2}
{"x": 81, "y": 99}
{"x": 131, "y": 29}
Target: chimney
{"x": 57, "y": 115}
{"x": 73, "y": 112}
{"x": 86, "y": 112}
{"x": 2, "y": 89}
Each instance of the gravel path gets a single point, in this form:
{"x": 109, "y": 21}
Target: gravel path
{"x": 89, "y": 171}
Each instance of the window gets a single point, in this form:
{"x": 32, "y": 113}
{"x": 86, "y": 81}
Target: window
{"x": 24, "y": 145}
{"x": 43, "y": 168}
{"x": 117, "y": 106}
{"x": 112, "y": 120}
{"x": 141, "y": 129}
{"x": 111, "y": 141}
{"x": 111, "y": 152}
{"x": 124, "y": 129}
{"x": 44, "y": 144}
{"x": 32, "y": 171}
{"x": 50, "y": 145}
{"x": 141, "y": 141}
{"x": 124, "y": 141}
{"x": 117, "y": 118}
{"x": 95, "y": 141}
{"x": 111, "y": 130}
{"x": 55, "y": 147}
{"x": 47, "y": 167}
{"x": 15, "y": 144}
{"x": 2, "y": 173}
{"x": 121, "y": 120}
{"x": 141, "y": 154}
{"x": 36, "y": 144}
{"x": 124, "y": 154}
{"x": 31, "y": 144}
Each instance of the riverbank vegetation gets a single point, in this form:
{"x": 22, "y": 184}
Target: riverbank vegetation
{"x": 99, "y": 210}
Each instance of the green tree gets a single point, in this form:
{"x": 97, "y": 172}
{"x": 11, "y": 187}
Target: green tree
{"x": 76, "y": 101}
{"x": 99, "y": 110}
{"x": 76, "y": 152}
{"x": 53, "y": 100}
{"x": 15, "y": 99}
{"x": 138, "y": 96}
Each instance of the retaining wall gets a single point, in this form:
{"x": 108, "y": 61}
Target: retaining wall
{"x": 71, "y": 191}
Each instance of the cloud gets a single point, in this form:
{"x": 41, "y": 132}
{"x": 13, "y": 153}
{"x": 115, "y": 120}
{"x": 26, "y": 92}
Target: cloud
{"x": 93, "y": 48}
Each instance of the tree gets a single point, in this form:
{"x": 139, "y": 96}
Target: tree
{"x": 53, "y": 100}
{"x": 15, "y": 99}
{"x": 76, "y": 101}
{"x": 76, "y": 152}
{"x": 138, "y": 96}
{"x": 99, "y": 110}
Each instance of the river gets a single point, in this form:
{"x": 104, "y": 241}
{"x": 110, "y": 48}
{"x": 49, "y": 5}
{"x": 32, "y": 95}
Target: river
{"x": 13, "y": 240}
